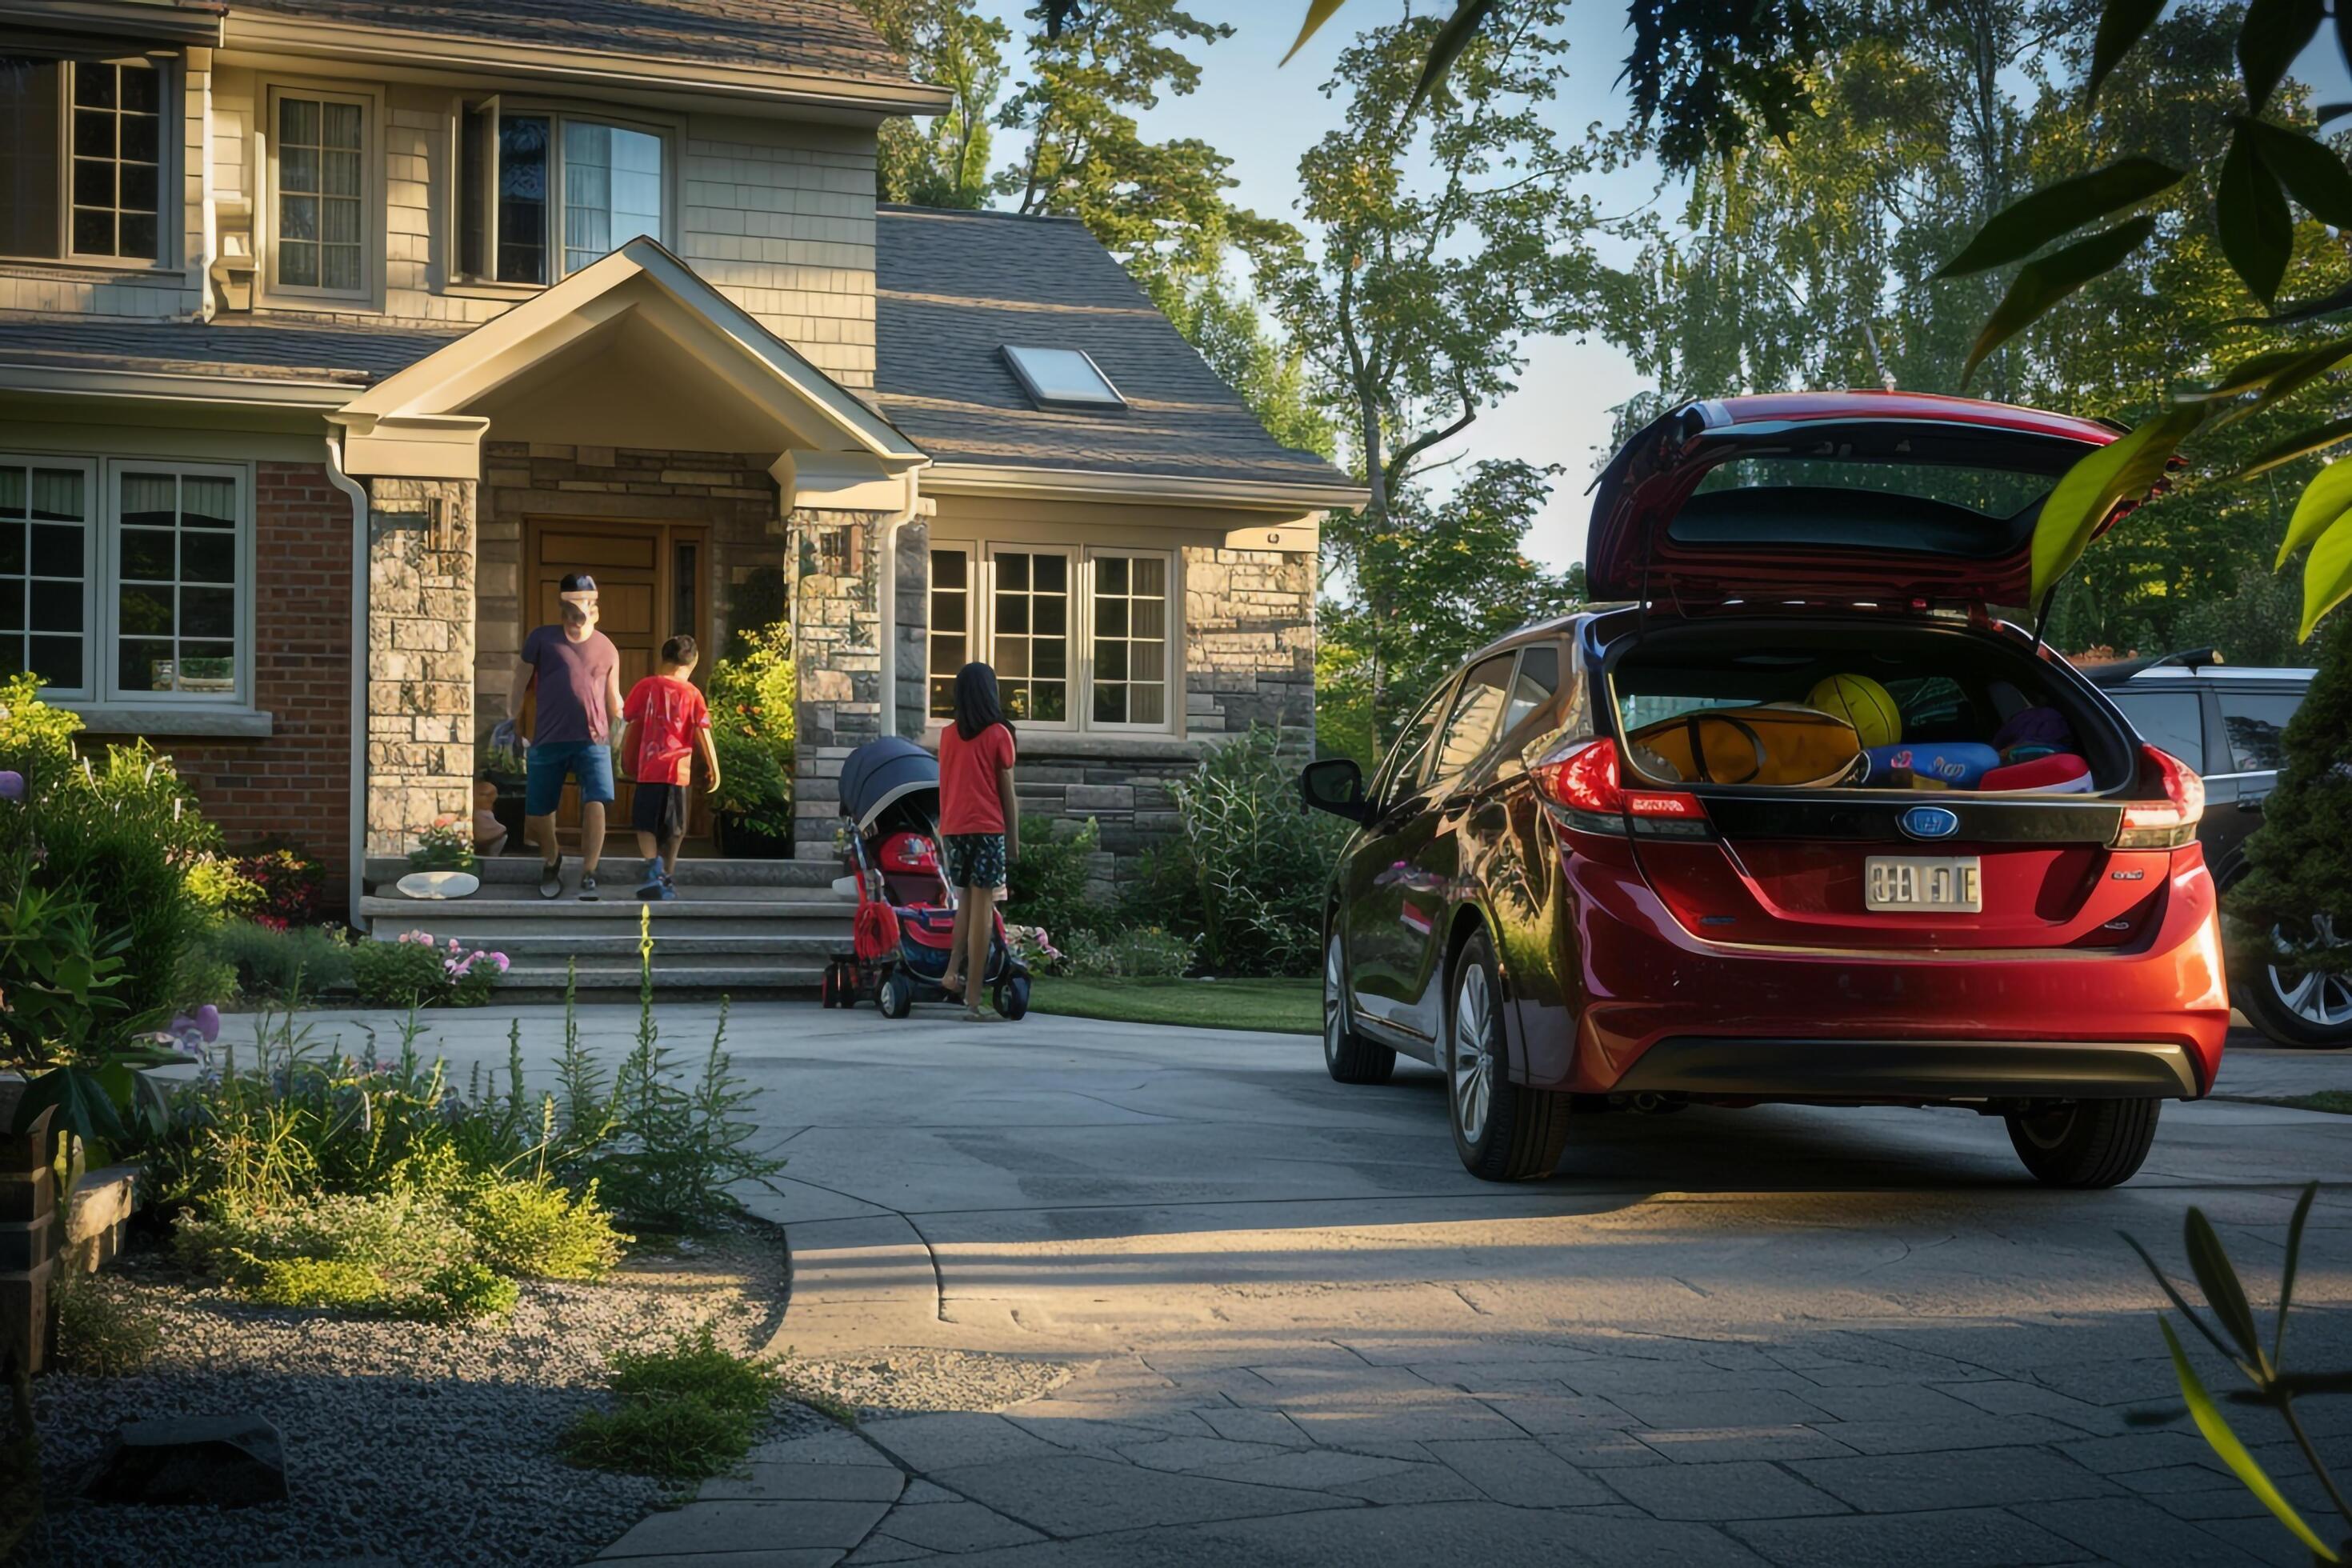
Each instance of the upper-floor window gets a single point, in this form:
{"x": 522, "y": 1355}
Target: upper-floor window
{"x": 82, "y": 159}
{"x": 544, "y": 193}
{"x": 320, "y": 199}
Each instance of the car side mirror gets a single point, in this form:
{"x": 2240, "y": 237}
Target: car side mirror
{"x": 1337, "y": 785}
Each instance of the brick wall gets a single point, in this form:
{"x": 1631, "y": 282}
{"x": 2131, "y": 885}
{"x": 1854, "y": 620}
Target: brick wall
{"x": 295, "y": 785}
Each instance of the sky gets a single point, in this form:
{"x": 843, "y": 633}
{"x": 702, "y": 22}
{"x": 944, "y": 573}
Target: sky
{"x": 1264, "y": 115}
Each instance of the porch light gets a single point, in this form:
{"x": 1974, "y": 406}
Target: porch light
{"x": 1062, "y": 378}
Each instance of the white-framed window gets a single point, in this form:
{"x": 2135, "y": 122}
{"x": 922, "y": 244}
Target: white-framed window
{"x": 1127, "y": 639}
{"x": 178, "y": 574}
{"x": 1082, "y": 639}
{"x": 542, "y": 192}
{"x": 46, "y": 568}
{"x": 85, "y": 162}
{"x": 324, "y": 193}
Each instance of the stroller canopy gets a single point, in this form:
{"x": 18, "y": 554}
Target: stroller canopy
{"x": 882, "y": 773}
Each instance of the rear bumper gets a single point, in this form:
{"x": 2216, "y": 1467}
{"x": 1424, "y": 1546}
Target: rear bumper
{"x": 2144, "y": 1020}
{"x": 1912, "y": 1069}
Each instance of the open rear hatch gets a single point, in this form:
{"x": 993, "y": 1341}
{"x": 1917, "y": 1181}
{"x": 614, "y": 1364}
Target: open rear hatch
{"x": 1895, "y": 497}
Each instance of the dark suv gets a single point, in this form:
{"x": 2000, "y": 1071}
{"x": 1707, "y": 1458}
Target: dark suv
{"x": 2225, "y": 721}
{"x": 1630, "y": 857}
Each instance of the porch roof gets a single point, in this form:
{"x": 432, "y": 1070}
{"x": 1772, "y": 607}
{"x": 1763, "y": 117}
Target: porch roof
{"x": 955, "y": 288}
{"x": 281, "y": 349}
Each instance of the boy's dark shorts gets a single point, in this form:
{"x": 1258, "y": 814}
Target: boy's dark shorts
{"x": 660, "y": 810}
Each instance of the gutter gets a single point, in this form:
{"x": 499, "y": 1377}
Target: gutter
{"x": 358, "y": 841}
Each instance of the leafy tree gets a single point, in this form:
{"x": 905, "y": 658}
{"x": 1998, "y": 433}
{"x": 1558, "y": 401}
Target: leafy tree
{"x": 943, "y": 163}
{"x": 2302, "y": 858}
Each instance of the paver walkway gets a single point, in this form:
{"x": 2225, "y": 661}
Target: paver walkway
{"x": 1298, "y": 1333}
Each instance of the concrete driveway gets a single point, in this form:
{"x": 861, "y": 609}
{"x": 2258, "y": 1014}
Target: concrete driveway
{"x": 1300, "y": 1333}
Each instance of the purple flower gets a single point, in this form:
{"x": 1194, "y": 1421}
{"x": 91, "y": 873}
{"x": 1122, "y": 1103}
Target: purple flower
{"x": 12, "y": 787}
{"x": 208, "y": 1023}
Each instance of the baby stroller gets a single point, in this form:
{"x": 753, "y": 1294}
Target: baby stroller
{"x": 905, "y": 923}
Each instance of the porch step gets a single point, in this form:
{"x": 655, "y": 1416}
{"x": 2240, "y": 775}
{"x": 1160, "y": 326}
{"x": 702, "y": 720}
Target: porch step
{"x": 806, "y": 945}
{"x": 615, "y": 905}
{"x": 614, "y": 868}
{"x": 733, "y": 979}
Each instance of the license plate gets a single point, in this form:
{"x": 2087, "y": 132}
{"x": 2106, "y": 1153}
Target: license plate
{"x": 1911, "y": 883}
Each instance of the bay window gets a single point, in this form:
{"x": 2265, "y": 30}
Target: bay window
{"x": 544, "y": 193}
{"x": 83, "y": 159}
{"x": 1079, "y": 639}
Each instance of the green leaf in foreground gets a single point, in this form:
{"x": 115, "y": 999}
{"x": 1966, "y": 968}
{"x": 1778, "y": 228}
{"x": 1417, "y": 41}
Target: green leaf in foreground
{"x": 2042, "y": 283}
{"x": 1318, "y": 13}
{"x": 82, "y": 1104}
{"x": 2218, "y": 1277}
{"x": 2121, "y": 23}
{"x": 2272, "y": 34}
{"x": 2300, "y": 372}
{"x": 2326, "y": 577}
{"x": 2249, "y": 210}
{"x": 2302, "y": 444}
{"x": 2326, "y": 498}
{"x": 2231, "y": 1452}
{"x": 1447, "y": 47}
{"x": 2032, "y": 221}
{"x": 2293, "y": 1262}
{"x": 2124, "y": 469}
{"x": 2312, "y": 173}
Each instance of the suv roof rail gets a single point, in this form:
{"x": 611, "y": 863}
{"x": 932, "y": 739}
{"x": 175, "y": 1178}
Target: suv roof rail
{"x": 2190, "y": 659}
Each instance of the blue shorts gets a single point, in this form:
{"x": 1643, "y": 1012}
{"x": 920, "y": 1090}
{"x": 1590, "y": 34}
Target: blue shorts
{"x": 590, "y": 761}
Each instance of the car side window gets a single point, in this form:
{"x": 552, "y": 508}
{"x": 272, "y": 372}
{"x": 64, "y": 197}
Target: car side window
{"x": 2256, "y": 721}
{"x": 1536, "y": 683}
{"x": 1484, "y": 692}
{"x": 1403, "y": 768}
{"x": 2171, "y": 721}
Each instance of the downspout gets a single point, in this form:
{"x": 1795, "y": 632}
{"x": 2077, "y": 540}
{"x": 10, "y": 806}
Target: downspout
{"x": 358, "y": 846}
{"x": 885, "y": 598}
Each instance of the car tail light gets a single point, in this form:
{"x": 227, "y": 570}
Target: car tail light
{"x": 2171, "y": 822}
{"x": 1580, "y": 779}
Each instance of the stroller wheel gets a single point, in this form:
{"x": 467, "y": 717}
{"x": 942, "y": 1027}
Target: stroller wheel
{"x": 828, "y": 990}
{"x": 1013, "y": 997}
{"x": 896, "y": 995}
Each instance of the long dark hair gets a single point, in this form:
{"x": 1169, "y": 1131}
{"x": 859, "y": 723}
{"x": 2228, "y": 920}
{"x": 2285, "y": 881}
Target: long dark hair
{"x": 976, "y": 705}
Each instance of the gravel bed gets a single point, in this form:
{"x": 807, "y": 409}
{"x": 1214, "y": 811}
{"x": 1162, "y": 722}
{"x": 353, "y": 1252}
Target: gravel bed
{"x": 904, "y": 1382}
{"x": 423, "y": 1444}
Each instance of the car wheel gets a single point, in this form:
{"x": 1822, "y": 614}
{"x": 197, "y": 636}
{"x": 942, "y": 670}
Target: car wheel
{"x": 1505, "y": 1131}
{"x": 896, "y": 995}
{"x": 2084, "y": 1143}
{"x": 1347, "y": 1055}
{"x": 2307, "y": 1010}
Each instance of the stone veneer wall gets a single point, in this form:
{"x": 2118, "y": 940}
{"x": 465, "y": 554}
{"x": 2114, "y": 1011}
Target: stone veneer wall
{"x": 836, "y": 577}
{"x": 420, "y": 657}
{"x": 729, "y": 492}
{"x": 296, "y": 784}
{"x": 914, "y": 618}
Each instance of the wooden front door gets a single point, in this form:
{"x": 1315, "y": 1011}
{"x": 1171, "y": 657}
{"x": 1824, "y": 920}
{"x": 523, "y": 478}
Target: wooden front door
{"x": 649, "y": 587}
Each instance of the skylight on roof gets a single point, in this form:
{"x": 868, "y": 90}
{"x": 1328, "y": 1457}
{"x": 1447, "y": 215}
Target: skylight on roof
{"x": 1062, "y": 378}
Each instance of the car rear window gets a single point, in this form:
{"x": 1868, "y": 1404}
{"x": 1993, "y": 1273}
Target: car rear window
{"x": 2171, "y": 721}
{"x": 2256, "y": 721}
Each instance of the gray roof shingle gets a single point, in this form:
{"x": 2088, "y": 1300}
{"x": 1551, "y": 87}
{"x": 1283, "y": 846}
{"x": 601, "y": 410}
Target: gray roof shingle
{"x": 276, "y": 350}
{"x": 827, "y": 38}
{"x": 955, "y": 286}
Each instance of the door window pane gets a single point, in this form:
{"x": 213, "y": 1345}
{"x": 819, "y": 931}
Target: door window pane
{"x": 1472, "y": 725}
{"x": 44, "y": 573}
{"x": 611, "y": 190}
{"x": 523, "y": 198}
{"x": 176, "y": 598}
{"x": 2256, "y": 721}
{"x": 117, "y": 159}
{"x": 2171, "y": 721}
{"x": 1130, "y": 640}
{"x": 29, "y": 156}
{"x": 1032, "y": 606}
{"x": 1538, "y": 678}
{"x": 320, "y": 214}
{"x": 1403, "y": 768}
{"x": 950, "y": 635}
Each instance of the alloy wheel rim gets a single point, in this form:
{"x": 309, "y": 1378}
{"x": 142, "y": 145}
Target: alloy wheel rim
{"x": 2316, "y": 997}
{"x": 1333, "y": 1027}
{"x": 1474, "y": 1060}
{"x": 2048, "y": 1129}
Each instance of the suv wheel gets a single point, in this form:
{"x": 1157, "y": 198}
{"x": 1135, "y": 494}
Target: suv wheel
{"x": 2309, "y": 1010}
{"x": 1348, "y": 1057}
{"x": 2084, "y": 1143}
{"x": 1505, "y": 1131}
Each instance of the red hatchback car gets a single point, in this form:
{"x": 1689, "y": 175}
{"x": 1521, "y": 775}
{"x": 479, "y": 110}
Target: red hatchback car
{"x": 1800, "y": 822}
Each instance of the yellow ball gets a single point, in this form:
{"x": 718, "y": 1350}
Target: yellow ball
{"x": 1863, "y": 703}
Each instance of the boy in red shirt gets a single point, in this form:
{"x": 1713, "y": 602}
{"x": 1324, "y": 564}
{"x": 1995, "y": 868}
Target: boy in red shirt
{"x": 664, "y": 720}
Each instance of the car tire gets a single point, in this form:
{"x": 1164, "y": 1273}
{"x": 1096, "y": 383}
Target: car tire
{"x": 1347, "y": 1055}
{"x": 2303, "y": 1012}
{"x": 2085, "y": 1142}
{"x": 897, "y": 996}
{"x": 1505, "y": 1131}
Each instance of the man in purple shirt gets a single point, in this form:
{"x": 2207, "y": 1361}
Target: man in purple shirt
{"x": 578, "y": 673}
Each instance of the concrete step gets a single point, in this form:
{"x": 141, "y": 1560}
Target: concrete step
{"x": 614, "y": 868}
{"x": 616, "y": 906}
{"x": 735, "y": 979}
{"x": 794, "y": 944}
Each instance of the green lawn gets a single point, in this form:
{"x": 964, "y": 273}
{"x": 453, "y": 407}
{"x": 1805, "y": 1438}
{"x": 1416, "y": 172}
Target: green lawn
{"x": 1284, "y": 1006}
{"x": 2338, "y": 1100}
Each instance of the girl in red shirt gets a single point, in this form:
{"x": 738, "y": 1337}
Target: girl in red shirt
{"x": 979, "y": 821}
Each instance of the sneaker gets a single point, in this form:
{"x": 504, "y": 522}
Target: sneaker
{"x": 666, "y": 891}
{"x": 587, "y": 885}
{"x": 652, "y": 888}
{"x": 551, "y": 879}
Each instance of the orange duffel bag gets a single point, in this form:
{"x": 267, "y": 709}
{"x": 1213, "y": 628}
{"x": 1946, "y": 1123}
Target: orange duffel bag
{"x": 1771, "y": 744}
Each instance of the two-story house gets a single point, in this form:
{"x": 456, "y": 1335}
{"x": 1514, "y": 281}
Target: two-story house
{"x": 332, "y": 332}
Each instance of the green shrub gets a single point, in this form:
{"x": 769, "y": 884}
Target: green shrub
{"x": 394, "y": 1253}
{"x": 686, "y": 1412}
{"x": 1046, "y": 884}
{"x": 411, "y": 972}
{"x": 288, "y": 965}
{"x": 99, "y": 1333}
{"x": 536, "y": 1230}
{"x": 2301, "y": 856}
{"x": 753, "y": 695}
{"x": 1088, "y": 956}
{"x": 1148, "y": 953}
{"x": 677, "y": 1148}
